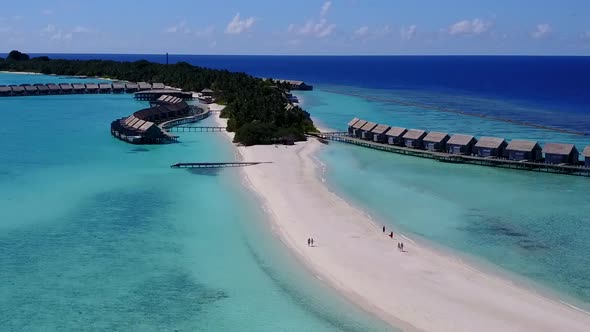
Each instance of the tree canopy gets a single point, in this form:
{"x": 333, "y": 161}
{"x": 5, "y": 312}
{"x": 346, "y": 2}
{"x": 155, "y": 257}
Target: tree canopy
{"x": 257, "y": 110}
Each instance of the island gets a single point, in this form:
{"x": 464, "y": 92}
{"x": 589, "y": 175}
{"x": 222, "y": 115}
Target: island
{"x": 259, "y": 111}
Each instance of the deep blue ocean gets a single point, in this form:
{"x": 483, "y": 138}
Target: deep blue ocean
{"x": 530, "y": 225}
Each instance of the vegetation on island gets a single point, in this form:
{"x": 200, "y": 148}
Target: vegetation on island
{"x": 257, "y": 110}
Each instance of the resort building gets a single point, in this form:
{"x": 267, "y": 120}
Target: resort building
{"x": 365, "y": 130}
{"x": 395, "y": 135}
{"x": 17, "y": 90}
{"x": 558, "y": 153}
{"x": 522, "y": 150}
{"x": 79, "y": 88}
{"x": 586, "y": 154}
{"x": 356, "y": 128}
{"x": 158, "y": 86}
{"x": 490, "y": 147}
{"x": 30, "y": 89}
{"x": 66, "y": 88}
{"x": 5, "y": 90}
{"x": 206, "y": 96}
{"x": 118, "y": 87}
{"x": 144, "y": 86}
{"x": 297, "y": 85}
{"x": 151, "y": 95}
{"x": 435, "y": 141}
{"x": 131, "y": 87}
{"x": 91, "y": 88}
{"x": 105, "y": 88}
{"x": 461, "y": 144}
{"x": 379, "y": 133}
{"x": 350, "y": 126}
{"x": 54, "y": 89}
{"x": 413, "y": 138}
{"x": 42, "y": 89}
{"x": 142, "y": 126}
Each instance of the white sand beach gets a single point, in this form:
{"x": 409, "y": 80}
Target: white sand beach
{"x": 416, "y": 290}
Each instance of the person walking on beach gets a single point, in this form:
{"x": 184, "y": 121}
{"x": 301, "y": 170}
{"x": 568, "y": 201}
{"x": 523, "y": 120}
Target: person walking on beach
{"x": 391, "y": 235}
{"x": 312, "y": 241}
{"x": 383, "y": 229}
{"x": 308, "y": 242}
{"x": 402, "y": 246}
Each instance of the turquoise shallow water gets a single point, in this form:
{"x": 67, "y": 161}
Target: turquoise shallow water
{"x": 97, "y": 234}
{"x": 531, "y": 224}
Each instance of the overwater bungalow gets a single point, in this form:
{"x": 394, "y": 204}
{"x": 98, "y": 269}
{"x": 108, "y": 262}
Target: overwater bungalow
{"x": 118, "y": 87}
{"x": 379, "y": 133}
{"x": 521, "y": 150}
{"x": 350, "y": 124}
{"x": 461, "y": 144}
{"x": 586, "y": 154}
{"x": 395, "y": 135}
{"x": 413, "y": 138}
{"x": 558, "y": 153}
{"x": 435, "y": 141}
{"x": 5, "y": 90}
{"x": 105, "y": 88}
{"x": 54, "y": 89}
{"x": 490, "y": 147}
{"x": 151, "y": 95}
{"x": 297, "y": 85}
{"x": 366, "y": 129}
{"x": 91, "y": 88}
{"x": 31, "y": 89}
{"x": 131, "y": 87}
{"x": 66, "y": 88}
{"x": 42, "y": 89}
{"x": 356, "y": 128}
{"x": 144, "y": 86}
{"x": 17, "y": 90}
{"x": 158, "y": 86}
{"x": 79, "y": 88}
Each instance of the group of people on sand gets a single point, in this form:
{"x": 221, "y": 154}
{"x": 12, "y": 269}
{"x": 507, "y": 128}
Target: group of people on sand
{"x": 310, "y": 242}
{"x": 400, "y": 245}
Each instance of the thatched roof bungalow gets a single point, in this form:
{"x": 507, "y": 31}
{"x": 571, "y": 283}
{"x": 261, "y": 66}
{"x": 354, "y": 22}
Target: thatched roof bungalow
{"x": 350, "y": 124}
{"x": 366, "y": 129}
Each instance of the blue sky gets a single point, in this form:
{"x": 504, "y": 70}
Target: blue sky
{"x": 298, "y": 27}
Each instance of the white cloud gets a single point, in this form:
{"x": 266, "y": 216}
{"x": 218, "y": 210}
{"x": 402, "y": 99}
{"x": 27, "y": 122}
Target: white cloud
{"x": 325, "y": 8}
{"x": 409, "y": 33}
{"x": 362, "y": 31}
{"x": 237, "y": 26}
{"x": 542, "y": 30}
{"x": 206, "y": 32}
{"x": 80, "y": 29}
{"x": 470, "y": 27}
{"x": 48, "y": 29}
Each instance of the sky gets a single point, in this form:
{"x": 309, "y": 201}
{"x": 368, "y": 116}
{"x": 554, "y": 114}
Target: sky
{"x": 310, "y": 27}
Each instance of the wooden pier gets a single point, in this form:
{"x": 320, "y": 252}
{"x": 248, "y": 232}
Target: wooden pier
{"x": 207, "y": 129}
{"x": 218, "y": 165}
{"x": 459, "y": 159}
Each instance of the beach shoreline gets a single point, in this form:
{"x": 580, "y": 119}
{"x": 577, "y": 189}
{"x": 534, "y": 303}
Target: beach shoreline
{"x": 416, "y": 290}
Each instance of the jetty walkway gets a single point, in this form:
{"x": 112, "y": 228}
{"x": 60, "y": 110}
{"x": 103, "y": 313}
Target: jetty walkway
{"x": 218, "y": 165}
{"x": 456, "y": 158}
{"x": 40, "y": 89}
{"x": 207, "y": 129}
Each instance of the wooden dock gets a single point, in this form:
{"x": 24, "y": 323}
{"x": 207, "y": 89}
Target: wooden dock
{"x": 201, "y": 129}
{"x": 218, "y": 165}
{"x": 459, "y": 159}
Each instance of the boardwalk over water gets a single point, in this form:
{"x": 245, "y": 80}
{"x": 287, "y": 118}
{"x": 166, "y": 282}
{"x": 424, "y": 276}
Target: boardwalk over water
{"x": 198, "y": 129}
{"x": 456, "y": 158}
{"x": 218, "y": 165}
